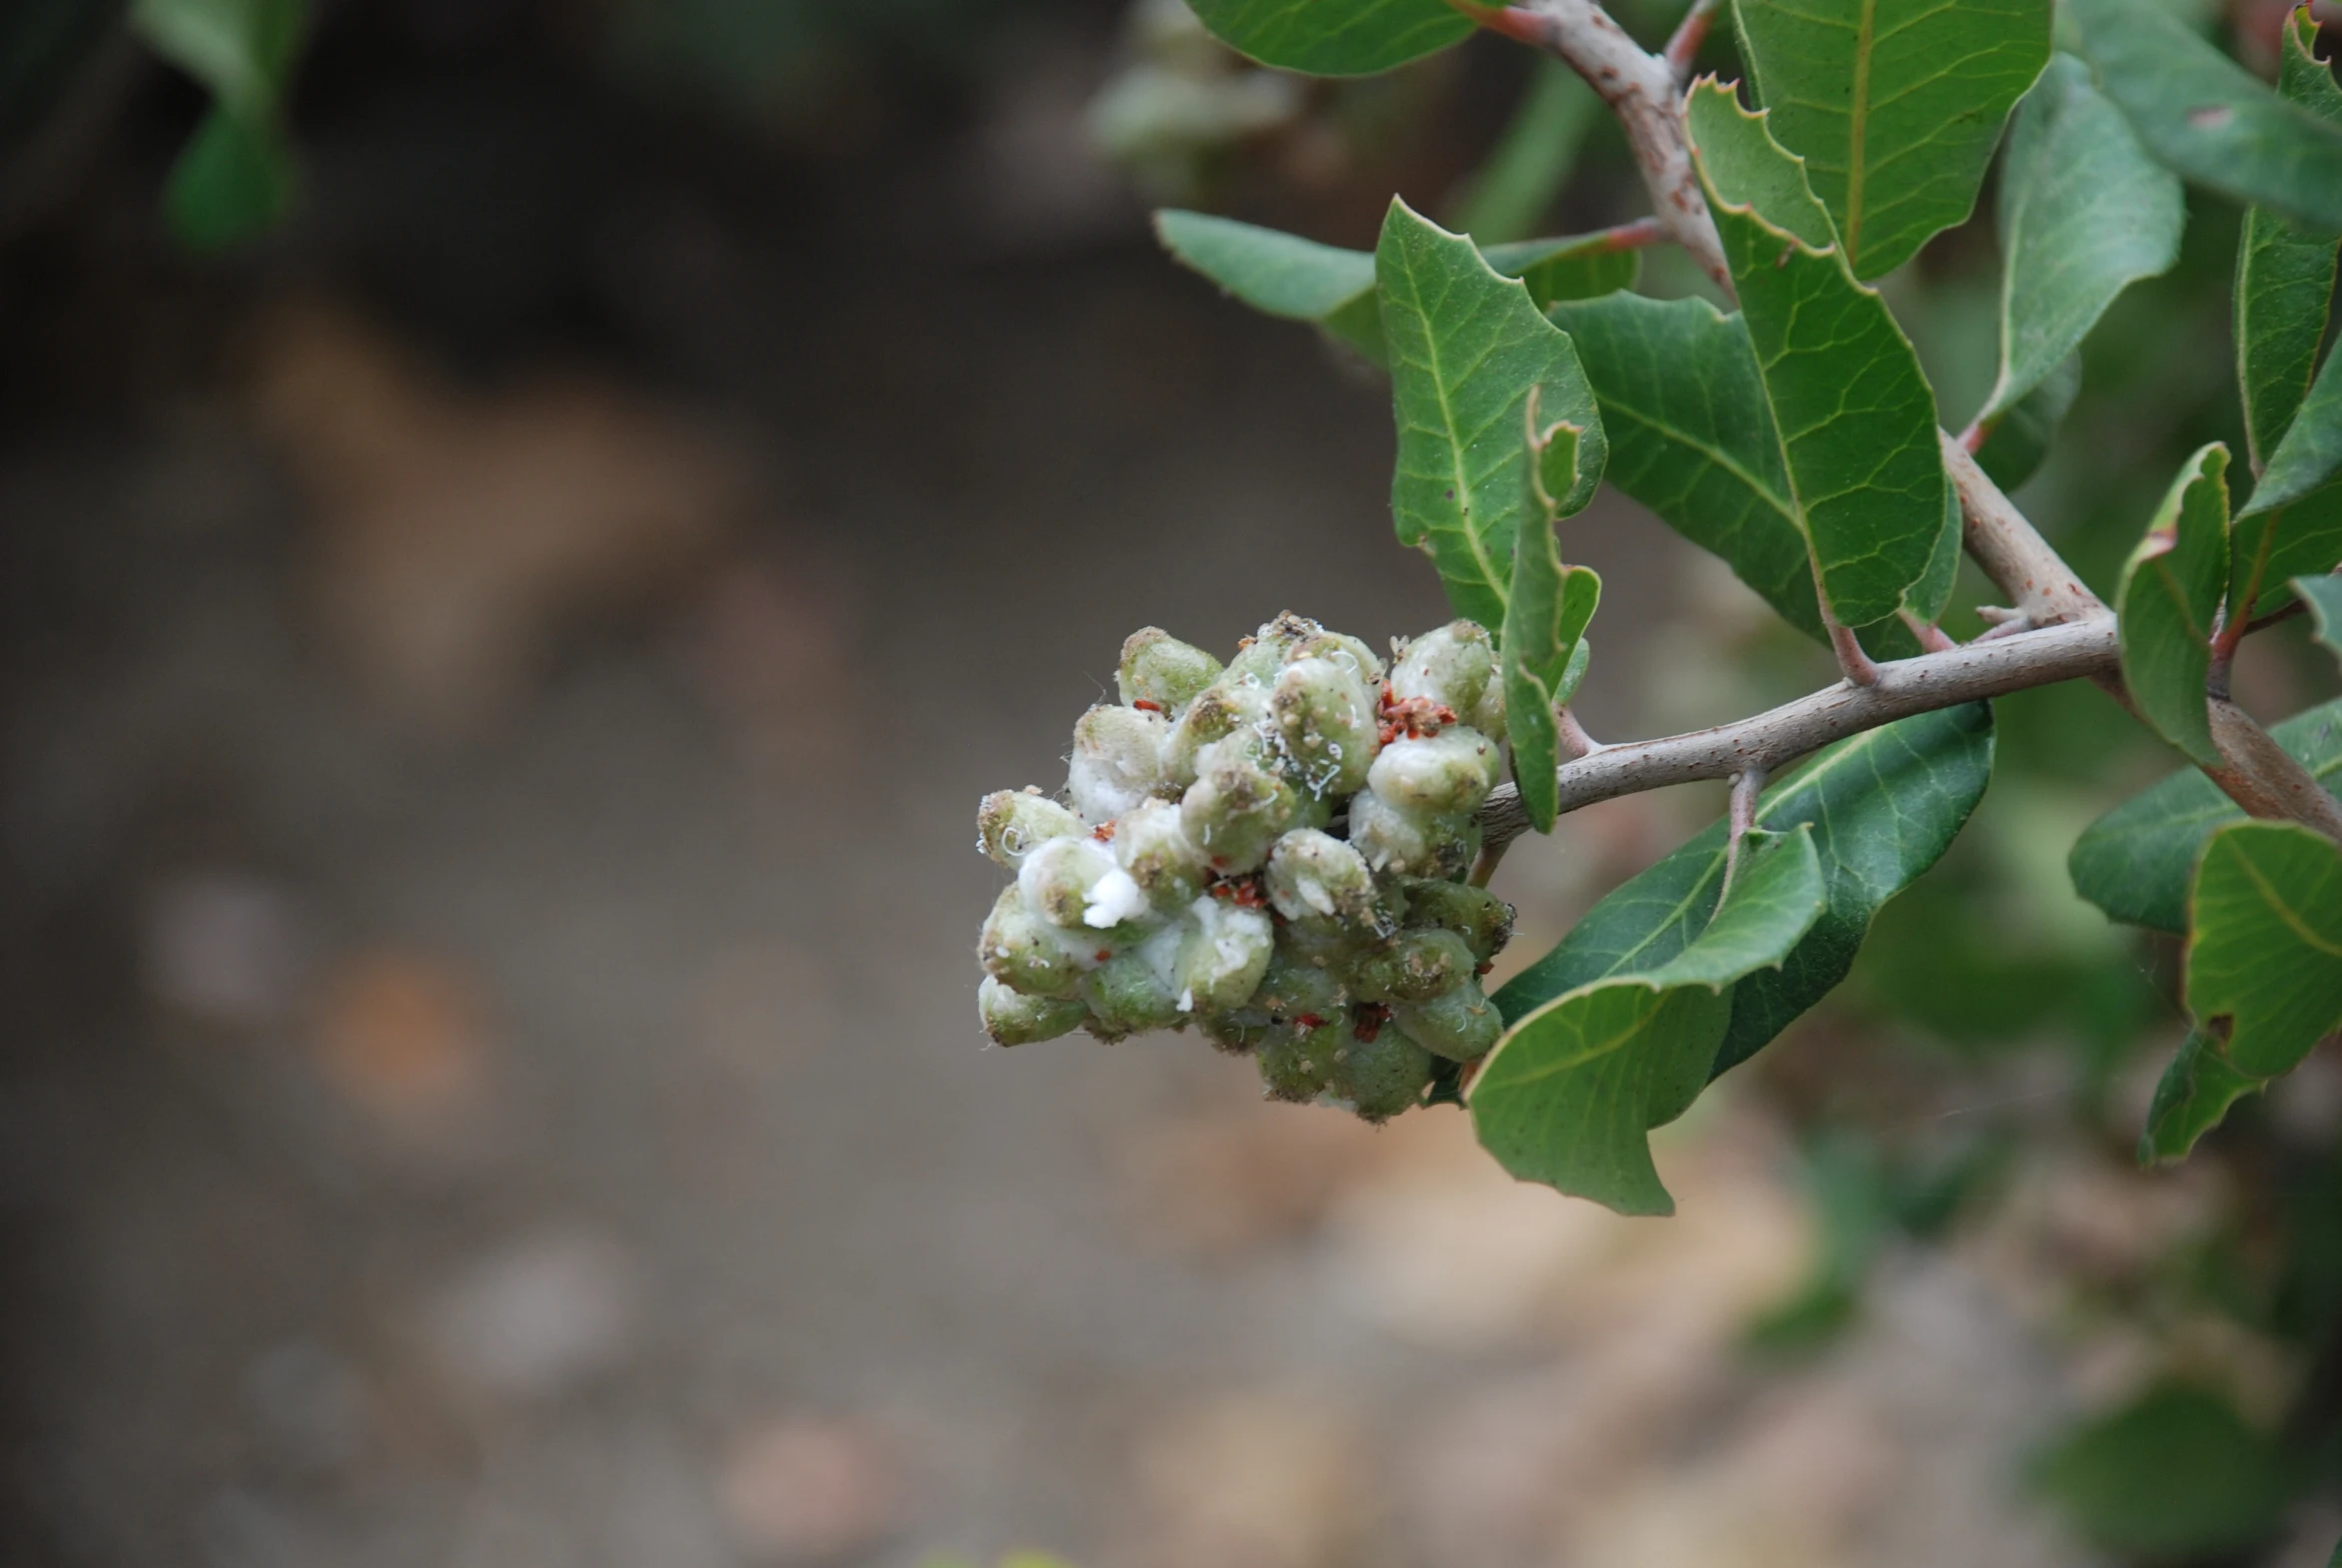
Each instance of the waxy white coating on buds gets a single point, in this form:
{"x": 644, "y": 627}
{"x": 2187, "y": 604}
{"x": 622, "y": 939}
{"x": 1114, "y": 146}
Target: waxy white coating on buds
{"x": 1011, "y": 824}
{"x": 1056, "y": 878}
{"x": 1113, "y": 899}
{"x": 1011, "y": 1018}
{"x": 1397, "y": 840}
{"x": 1452, "y": 667}
{"x": 1117, "y": 763}
{"x": 1315, "y": 879}
{"x": 1448, "y": 772}
{"x": 1223, "y": 959}
{"x": 1218, "y": 711}
{"x": 1156, "y": 667}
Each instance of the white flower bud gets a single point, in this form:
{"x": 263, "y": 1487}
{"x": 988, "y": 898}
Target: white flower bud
{"x": 1450, "y": 667}
{"x": 1325, "y": 726}
{"x": 1448, "y": 772}
{"x": 1222, "y": 958}
{"x": 1316, "y": 881}
{"x": 1400, "y": 841}
{"x": 1236, "y": 808}
{"x": 1219, "y": 710}
{"x": 1117, "y": 761}
{"x": 1154, "y": 848}
{"x": 1011, "y": 1018}
{"x": 1074, "y": 882}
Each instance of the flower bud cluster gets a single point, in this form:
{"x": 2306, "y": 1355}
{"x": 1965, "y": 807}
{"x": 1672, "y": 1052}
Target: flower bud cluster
{"x": 1273, "y": 851}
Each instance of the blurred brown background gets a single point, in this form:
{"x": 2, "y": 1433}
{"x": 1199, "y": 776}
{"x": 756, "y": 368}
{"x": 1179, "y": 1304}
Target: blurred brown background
{"x": 498, "y": 679}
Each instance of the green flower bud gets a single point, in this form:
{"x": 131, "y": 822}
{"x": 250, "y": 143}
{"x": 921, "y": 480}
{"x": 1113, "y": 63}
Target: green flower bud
{"x": 1404, "y": 842}
{"x": 1326, "y": 725}
{"x": 1450, "y": 666}
{"x": 1295, "y": 1063}
{"x": 1414, "y": 966}
{"x": 1238, "y": 1032}
{"x": 1460, "y": 1023}
{"x": 1158, "y": 668}
{"x": 1266, "y": 649}
{"x": 1316, "y": 881}
{"x": 1487, "y": 715}
{"x": 1027, "y": 954}
{"x": 1451, "y": 771}
{"x": 1074, "y": 882}
{"x": 1293, "y": 991}
{"x": 1154, "y": 848}
{"x": 1482, "y": 919}
{"x": 1379, "y": 1077}
{"x": 1117, "y": 761}
{"x": 1011, "y": 1018}
{"x": 1128, "y": 996}
{"x": 1218, "y": 711}
{"x": 1236, "y": 808}
{"x": 1345, "y": 650}
{"x": 1011, "y": 824}
{"x": 1222, "y": 954}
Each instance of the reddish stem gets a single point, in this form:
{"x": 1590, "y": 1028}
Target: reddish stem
{"x": 1683, "y": 48}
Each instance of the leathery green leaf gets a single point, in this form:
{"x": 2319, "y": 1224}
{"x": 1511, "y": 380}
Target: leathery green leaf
{"x": 2210, "y": 119}
{"x": 2291, "y": 525}
{"x": 1544, "y": 620}
{"x": 1332, "y": 289}
{"x": 2135, "y": 862}
{"x": 1467, "y": 351}
{"x": 1335, "y": 37}
{"x": 1882, "y": 807}
{"x": 2168, "y": 602}
{"x": 2323, "y": 596}
{"x": 2284, "y": 271}
{"x": 2264, "y": 944}
{"x": 2191, "y": 1098}
{"x": 1894, "y": 105}
{"x": 1855, "y": 416}
{"x": 2084, "y": 214}
{"x": 1570, "y": 1094}
{"x": 2019, "y": 439}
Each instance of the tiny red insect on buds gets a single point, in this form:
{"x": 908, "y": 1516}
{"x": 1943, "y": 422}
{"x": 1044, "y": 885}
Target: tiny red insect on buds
{"x": 1367, "y": 1018}
{"x": 1103, "y": 832}
{"x": 1103, "y": 953}
{"x": 1146, "y": 705}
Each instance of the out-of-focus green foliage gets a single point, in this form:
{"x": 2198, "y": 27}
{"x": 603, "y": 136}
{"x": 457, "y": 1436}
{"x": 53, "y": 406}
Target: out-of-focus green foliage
{"x": 236, "y": 176}
{"x": 2172, "y": 1475}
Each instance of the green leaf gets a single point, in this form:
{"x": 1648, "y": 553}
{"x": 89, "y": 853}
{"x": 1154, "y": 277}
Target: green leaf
{"x": 1544, "y": 621}
{"x": 2084, "y": 214}
{"x": 1894, "y": 106}
{"x": 2284, "y": 271}
{"x": 1282, "y": 274}
{"x": 1467, "y": 350}
{"x": 2135, "y": 862}
{"x": 234, "y": 181}
{"x": 2174, "y": 1475}
{"x": 2192, "y": 1095}
{"x": 2167, "y": 603}
{"x": 2205, "y": 116}
{"x": 2292, "y": 525}
{"x": 1882, "y": 806}
{"x": 1532, "y": 160}
{"x": 1585, "y": 266}
{"x": 1691, "y": 436}
{"x": 1335, "y": 37}
{"x": 2264, "y": 952}
{"x": 1285, "y": 275}
{"x": 2323, "y": 596}
{"x": 243, "y": 50}
{"x": 1855, "y": 418}
{"x": 2019, "y": 439}
{"x": 1569, "y": 1095}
